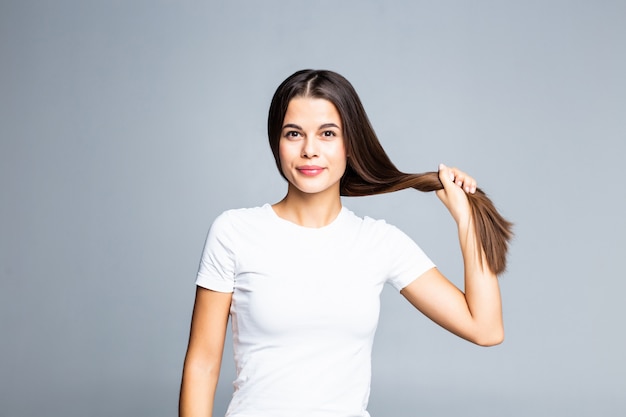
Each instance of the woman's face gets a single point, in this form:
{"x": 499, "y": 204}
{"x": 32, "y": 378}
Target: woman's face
{"x": 311, "y": 148}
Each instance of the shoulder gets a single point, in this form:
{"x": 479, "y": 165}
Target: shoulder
{"x": 241, "y": 219}
{"x": 244, "y": 214}
{"x": 391, "y": 249}
{"x": 365, "y": 221}
{"x": 371, "y": 226}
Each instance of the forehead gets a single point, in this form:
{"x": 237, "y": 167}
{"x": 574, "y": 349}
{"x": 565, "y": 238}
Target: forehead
{"x": 312, "y": 110}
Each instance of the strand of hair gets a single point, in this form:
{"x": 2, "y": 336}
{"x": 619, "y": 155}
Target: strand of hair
{"x": 493, "y": 231}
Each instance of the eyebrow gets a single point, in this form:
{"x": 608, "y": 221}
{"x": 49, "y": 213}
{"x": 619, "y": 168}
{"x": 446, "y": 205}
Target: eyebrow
{"x": 324, "y": 126}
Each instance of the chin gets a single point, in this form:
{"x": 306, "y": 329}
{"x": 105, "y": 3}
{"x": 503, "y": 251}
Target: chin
{"x": 312, "y": 189}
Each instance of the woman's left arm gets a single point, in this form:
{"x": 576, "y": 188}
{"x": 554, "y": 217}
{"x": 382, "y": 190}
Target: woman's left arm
{"x": 475, "y": 315}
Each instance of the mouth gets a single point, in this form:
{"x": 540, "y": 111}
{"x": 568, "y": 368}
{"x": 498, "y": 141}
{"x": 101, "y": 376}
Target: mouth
{"x": 310, "y": 170}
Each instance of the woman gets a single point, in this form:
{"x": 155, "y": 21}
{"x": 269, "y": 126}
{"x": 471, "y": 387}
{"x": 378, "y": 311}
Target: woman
{"x": 301, "y": 278}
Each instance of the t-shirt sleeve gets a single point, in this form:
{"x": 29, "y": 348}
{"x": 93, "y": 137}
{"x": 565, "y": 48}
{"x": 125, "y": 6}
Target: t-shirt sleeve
{"x": 408, "y": 260}
{"x": 217, "y": 265}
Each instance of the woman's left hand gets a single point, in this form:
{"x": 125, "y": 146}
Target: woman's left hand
{"x": 456, "y": 184}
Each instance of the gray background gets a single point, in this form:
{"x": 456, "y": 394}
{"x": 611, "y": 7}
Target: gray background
{"x": 127, "y": 126}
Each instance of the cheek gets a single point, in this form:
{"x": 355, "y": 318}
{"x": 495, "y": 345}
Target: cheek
{"x": 339, "y": 155}
{"x": 284, "y": 156}
{"x": 282, "y": 153}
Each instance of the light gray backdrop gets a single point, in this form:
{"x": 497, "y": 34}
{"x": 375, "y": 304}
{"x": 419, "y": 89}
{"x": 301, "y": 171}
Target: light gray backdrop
{"x": 127, "y": 126}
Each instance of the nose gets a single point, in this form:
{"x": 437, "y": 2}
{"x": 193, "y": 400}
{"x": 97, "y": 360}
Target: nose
{"x": 310, "y": 148}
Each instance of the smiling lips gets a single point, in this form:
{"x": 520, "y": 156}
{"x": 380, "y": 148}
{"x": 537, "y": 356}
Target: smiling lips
{"x": 310, "y": 170}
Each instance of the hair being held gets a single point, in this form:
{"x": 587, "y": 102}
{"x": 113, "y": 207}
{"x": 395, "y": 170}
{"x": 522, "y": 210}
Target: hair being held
{"x": 369, "y": 170}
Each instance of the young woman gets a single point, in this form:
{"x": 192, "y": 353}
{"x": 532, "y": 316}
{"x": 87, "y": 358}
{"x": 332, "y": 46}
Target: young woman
{"x": 301, "y": 279}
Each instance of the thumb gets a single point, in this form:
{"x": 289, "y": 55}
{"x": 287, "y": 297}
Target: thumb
{"x": 446, "y": 176}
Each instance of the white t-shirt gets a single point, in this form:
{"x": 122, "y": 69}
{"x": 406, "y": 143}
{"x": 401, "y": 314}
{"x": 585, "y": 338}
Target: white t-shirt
{"x": 305, "y": 307}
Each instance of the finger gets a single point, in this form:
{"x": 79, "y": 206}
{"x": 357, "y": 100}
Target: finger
{"x": 446, "y": 175}
{"x": 469, "y": 184}
{"x": 472, "y": 186}
{"x": 457, "y": 176}
{"x": 464, "y": 181}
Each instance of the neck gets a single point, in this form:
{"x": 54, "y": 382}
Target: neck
{"x": 308, "y": 210}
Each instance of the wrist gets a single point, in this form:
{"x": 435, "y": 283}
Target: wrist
{"x": 464, "y": 223}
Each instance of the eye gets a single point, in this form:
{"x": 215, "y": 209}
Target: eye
{"x": 292, "y": 134}
{"x": 328, "y": 133}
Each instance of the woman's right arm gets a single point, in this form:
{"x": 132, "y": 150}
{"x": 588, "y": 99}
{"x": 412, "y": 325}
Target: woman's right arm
{"x": 204, "y": 353}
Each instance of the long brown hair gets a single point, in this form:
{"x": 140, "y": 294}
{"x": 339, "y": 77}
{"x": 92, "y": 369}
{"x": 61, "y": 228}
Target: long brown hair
{"x": 369, "y": 170}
